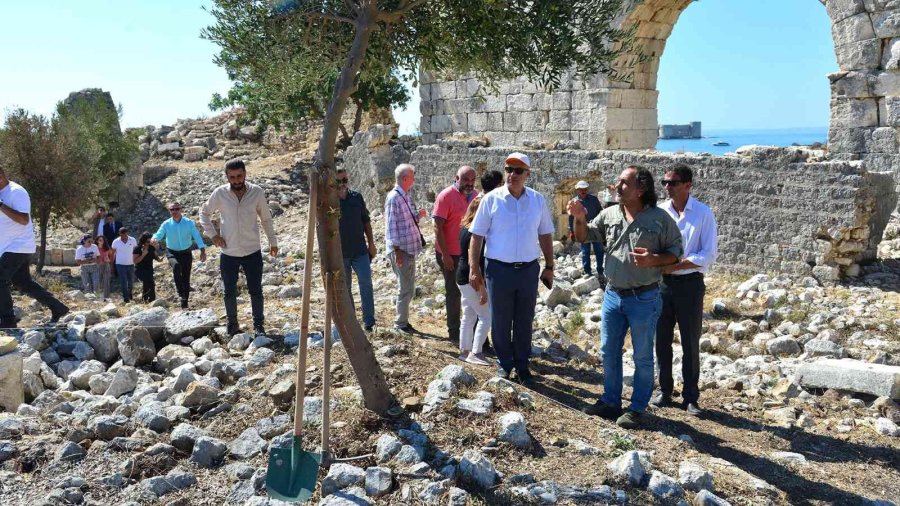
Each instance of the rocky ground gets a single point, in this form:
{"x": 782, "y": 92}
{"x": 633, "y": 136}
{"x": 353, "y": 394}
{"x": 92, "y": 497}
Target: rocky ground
{"x": 151, "y": 405}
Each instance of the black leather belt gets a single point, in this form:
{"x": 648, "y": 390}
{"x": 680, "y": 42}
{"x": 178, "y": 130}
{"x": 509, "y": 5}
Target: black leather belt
{"x": 682, "y": 277}
{"x": 631, "y": 292}
{"x": 515, "y": 265}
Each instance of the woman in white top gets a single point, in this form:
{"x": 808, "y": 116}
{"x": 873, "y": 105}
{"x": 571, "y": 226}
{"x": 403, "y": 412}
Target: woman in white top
{"x": 87, "y": 255}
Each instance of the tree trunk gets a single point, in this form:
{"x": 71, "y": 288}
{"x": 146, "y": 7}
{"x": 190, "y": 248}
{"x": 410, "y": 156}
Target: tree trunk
{"x": 43, "y": 221}
{"x": 376, "y": 394}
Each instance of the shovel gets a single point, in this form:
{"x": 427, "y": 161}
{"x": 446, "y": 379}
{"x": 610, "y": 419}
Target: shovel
{"x": 293, "y": 472}
{"x": 326, "y": 369}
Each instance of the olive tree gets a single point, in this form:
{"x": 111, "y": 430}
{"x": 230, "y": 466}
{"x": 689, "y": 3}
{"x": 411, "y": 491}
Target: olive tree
{"x": 368, "y": 40}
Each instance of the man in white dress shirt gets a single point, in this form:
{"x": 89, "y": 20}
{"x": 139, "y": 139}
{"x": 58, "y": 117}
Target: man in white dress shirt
{"x": 683, "y": 288}
{"x": 515, "y": 221}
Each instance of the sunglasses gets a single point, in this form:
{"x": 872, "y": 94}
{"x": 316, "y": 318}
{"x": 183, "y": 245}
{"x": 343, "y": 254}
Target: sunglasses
{"x": 671, "y": 182}
{"x": 173, "y": 209}
{"x": 343, "y": 181}
{"x": 518, "y": 170}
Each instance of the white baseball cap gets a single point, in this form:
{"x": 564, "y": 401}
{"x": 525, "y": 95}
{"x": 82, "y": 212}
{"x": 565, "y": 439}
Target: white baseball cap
{"x": 582, "y": 184}
{"x": 518, "y": 160}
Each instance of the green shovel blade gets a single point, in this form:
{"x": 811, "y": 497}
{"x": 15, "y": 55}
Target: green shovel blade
{"x": 292, "y": 473}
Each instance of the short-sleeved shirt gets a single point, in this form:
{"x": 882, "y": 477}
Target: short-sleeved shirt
{"x": 124, "y": 250}
{"x": 354, "y": 217}
{"x": 87, "y": 252}
{"x": 450, "y": 206}
{"x": 401, "y": 223}
{"x": 652, "y": 228}
{"x": 146, "y": 264}
{"x": 15, "y": 237}
{"x": 511, "y": 226}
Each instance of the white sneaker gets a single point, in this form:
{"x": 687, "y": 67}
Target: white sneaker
{"x": 477, "y": 359}
{"x": 463, "y": 355}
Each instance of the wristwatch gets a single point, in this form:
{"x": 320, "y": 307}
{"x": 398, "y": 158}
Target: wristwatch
{"x": 549, "y": 267}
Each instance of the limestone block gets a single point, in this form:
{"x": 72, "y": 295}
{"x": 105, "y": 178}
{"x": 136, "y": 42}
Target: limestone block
{"x": 534, "y": 121}
{"x": 502, "y": 139}
{"x": 512, "y": 122}
{"x": 652, "y": 30}
{"x": 890, "y": 60}
{"x": 68, "y": 257}
{"x": 511, "y": 87}
{"x": 440, "y": 123}
{"x": 530, "y": 87}
{"x": 887, "y": 83}
{"x": 864, "y": 54}
{"x": 882, "y": 112}
{"x": 852, "y": 84}
{"x": 598, "y": 120}
{"x": 853, "y": 29}
{"x": 854, "y": 112}
{"x": 12, "y": 393}
{"x": 645, "y": 119}
{"x": 581, "y": 119}
{"x": 438, "y": 107}
{"x": 478, "y": 122}
{"x": 883, "y": 140}
{"x": 849, "y": 140}
{"x": 645, "y": 80}
{"x": 424, "y": 91}
{"x": 495, "y": 121}
{"x": 620, "y": 119}
{"x": 886, "y": 24}
{"x": 892, "y": 108}
{"x": 561, "y": 100}
{"x": 473, "y": 87}
{"x": 520, "y": 103}
{"x": 444, "y": 90}
{"x": 459, "y": 122}
{"x": 838, "y": 10}
{"x": 541, "y": 102}
{"x": 425, "y": 108}
{"x": 559, "y": 121}
{"x": 494, "y": 103}
{"x": 425, "y": 124}
{"x": 853, "y": 375}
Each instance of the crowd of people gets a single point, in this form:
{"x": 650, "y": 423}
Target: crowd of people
{"x": 650, "y": 257}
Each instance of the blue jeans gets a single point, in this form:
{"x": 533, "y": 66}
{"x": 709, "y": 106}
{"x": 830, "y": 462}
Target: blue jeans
{"x": 621, "y": 312}
{"x": 362, "y": 266}
{"x": 586, "y": 256}
{"x": 126, "y": 280}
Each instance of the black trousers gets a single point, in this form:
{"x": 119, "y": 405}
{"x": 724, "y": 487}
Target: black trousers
{"x": 252, "y": 264}
{"x": 682, "y": 304}
{"x": 180, "y": 262}
{"x": 513, "y": 295}
{"x": 148, "y": 285}
{"x": 14, "y": 271}
{"x": 454, "y": 298}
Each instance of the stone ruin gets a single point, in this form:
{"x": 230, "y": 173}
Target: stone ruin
{"x": 792, "y": 210}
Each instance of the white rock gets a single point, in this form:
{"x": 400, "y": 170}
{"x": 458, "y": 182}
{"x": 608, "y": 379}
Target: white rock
{"x": 514, "y": 431}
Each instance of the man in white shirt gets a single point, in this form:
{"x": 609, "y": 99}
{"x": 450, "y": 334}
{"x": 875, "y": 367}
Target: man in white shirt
{"x": 515, "y": 221}
{"x": 239, "y": 204}
{"x": 683, "y": 288}
{"x": 123, "y": 253}
{"x": 17, "y": 245}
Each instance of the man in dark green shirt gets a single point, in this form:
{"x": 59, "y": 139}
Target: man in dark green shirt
{"x": 639, "y": 239}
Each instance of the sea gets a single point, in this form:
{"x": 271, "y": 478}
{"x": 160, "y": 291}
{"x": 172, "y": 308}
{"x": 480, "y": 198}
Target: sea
{"x": 743, "y": 137}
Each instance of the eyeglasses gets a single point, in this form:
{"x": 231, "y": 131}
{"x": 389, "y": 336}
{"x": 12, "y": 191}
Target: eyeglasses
{"x": 518, "y": 170}
{"x": 671, "y": 182}
{"x": 343, "y": 181}
{"x": 173, "y": 209}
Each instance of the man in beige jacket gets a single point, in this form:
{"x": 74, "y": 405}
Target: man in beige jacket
{"x": 239, "y": 204}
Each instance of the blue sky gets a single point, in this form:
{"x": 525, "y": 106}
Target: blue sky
{"x": 728, "y": 63}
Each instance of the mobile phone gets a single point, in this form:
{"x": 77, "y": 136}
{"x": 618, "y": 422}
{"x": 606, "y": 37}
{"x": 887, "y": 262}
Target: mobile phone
{"x": 548, "y": 284}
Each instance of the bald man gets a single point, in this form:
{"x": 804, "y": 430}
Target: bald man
{"x": 449, "y": 208}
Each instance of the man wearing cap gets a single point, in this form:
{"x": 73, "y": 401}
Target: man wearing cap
{"x": 242, "y": 206}
{"x": 17, "y": 245}
{"x": 683, "y": 288}
{"x": 640, "y": 240}
{"x": 403, "y": 240}
{"x": 181, "y": 236}
{"x": 592, "y": 204}
{"x": 514, "y": 223}
{"x": 449, "y": 209}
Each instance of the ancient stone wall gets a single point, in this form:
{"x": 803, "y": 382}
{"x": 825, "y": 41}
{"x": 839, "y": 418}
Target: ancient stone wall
{"x": 778, "y": 209}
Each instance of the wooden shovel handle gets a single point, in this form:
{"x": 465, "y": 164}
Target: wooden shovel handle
{"x": 300, "y": 387}
{"x": 326, "y": 365}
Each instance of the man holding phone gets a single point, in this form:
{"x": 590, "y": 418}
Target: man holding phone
{"x": 640, "y": 239}
{"x": 515, "y": 222}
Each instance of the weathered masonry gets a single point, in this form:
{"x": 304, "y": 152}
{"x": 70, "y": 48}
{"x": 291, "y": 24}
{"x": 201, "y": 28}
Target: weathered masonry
{"x": 789, "y": 210}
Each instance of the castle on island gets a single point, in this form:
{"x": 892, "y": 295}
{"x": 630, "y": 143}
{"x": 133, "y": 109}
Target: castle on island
{"x": 689, "y": 131}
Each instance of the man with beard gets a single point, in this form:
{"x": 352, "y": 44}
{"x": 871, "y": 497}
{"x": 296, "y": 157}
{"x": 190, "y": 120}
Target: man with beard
{"x": 683, "y": 288}
{"x": 639, "y": 239}
{"x": 239, "y": 204}
{"x": 449, "y": 209}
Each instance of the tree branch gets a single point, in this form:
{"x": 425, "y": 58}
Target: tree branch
{"x": 332, "y": 17}
{"x": 397, "y": 15}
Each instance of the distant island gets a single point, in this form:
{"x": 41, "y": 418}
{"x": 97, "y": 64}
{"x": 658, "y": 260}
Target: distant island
{"x": 689, "y": 131}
